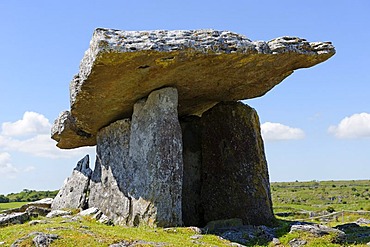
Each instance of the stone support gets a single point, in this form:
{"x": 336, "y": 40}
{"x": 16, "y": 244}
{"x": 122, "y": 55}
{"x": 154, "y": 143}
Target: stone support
{"x": 139, "y": 165}
{"x": 235, "y": 181}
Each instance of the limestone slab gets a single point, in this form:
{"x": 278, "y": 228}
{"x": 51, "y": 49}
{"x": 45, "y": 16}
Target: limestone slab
{"x": 73, "y": 193}
{"x": 235, "y": 180}
{"x": 206, "y": 67}
{"x": 139, "y": 165}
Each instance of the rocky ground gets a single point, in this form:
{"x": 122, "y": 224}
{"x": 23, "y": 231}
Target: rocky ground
{"x": 41, "y": 226}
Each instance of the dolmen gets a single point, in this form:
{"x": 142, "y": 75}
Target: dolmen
{"x": 174, "y": 145}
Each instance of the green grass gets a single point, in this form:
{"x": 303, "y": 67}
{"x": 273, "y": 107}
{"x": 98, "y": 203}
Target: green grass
{"x": 89, "y": 233}
{"x": 317, "y": 196}
{"x": 10, "y": 205}
{"x": 296, "y": 199}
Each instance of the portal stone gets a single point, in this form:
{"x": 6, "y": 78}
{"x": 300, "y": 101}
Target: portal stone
{"x": 192, "y": 212}
{"x": 112, "y": 174}
{"x": 138, "y": 172}
{"x": 156, "y": 153}
{"x": 235, "y": 181}
{"x": 73, "y": 194}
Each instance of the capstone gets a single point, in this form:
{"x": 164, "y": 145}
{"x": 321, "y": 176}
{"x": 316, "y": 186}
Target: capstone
{"x": 205, "y": 66}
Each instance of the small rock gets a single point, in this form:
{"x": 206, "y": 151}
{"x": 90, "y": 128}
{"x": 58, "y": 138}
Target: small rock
{"x": 57, "y": 213}
{"x": 44, "y": 240}
{"x": 89, "y": 211}
{"x": 276, "y": 241}
{"x": 105, "y": 220}
{"x": 297, "y": 242}
{"x": 37, "y": 211}
{"x": 315, "y": 229}
{"x": 195, "y": 229}
{"x": 2, "y": 243}
{"x": 363, "y": 221}
{"x": 36, "y": 222}
{"x": 13, "y": 218}
{"x": 197, "y": 236}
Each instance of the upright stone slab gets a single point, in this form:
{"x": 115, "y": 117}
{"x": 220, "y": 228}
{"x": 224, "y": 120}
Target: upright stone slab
{"x": 192, "y": 212}
{"x": 73, "y": 194}
{"x": 138, "y": 172}
{"x": 235, "y": 181}
{"x": 156, "y": 153}
{"x": 112, "y": 175}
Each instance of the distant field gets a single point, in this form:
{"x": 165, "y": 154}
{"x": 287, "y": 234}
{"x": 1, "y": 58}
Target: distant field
{"x": 319, "y": 196}
{"x": 10, "y": 205}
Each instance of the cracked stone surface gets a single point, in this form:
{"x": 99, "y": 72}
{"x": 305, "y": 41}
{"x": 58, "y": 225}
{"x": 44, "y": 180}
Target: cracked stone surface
{"x": 205, "y": 66}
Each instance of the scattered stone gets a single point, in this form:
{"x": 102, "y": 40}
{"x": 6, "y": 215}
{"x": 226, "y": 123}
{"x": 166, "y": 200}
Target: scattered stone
{"x": 235, "y": 180}
{"x": 73, "y": 194}
{"x": 206, "y": 66}
{"x": 36, "y": 211}
{"x": 13, "y": 218}
{"x": 44, "y": 240}
{"x": 40, "y": 240}
{"x": 36, "y": 222}
{"x": 138, "y": 243}
{"x": 296, "y": 242}
{"x": 2, "y": 243}
{"x": 276, "y": 241}
{"x": 362, "y": 221}
{"x": 89, "y": 212}
{"x": 315, "y": 229}
{"x": 105, "y": 220}
{"x": 195, "y": 229}
{"x": 57, "y": 213}
{"x": 197, "y": 236}
{"x": 319, "y": 230}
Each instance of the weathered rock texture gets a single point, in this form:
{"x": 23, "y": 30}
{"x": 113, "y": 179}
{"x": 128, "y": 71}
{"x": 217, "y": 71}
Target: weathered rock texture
{"x": 235, "y": 181}
{"x": 192, "y": 210}
{"x": 139, "y": 165}
{"x": 206, "y": 67}
{"x": 113, "y": 173}
{"x": 73, "y": 194}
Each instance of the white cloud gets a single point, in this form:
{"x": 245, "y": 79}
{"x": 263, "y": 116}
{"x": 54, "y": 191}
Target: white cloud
{"x": 31, "y": 135}
{"x": 6, "y": 168}
{"x": 276, "y": 132}
{"x": 355, "y": 126}
{"x": 31, "y": 123}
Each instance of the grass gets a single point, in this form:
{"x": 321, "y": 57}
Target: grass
{"x": 89, "y": 233}
{"x": 10, "y": 205}
{"x": 291, "y": 200}
{"x": 315, "y": 196}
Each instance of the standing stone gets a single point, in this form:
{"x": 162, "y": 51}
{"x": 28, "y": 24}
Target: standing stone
{"x": 138, "y": 172}
{"x": 73, "y": 194}
{"x": 112, "y": 176}
{"x": 235, "y": 181}
{"x": 156, "y": 152}
{"x": 192, "y": 212}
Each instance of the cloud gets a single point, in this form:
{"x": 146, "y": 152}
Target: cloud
{"x": 31, "y": 135}
{"x": 6, "y": 168}
{"x": 277, "y": 132}
{"x": 355, "y": 126}
{"x": 31, "y": 123}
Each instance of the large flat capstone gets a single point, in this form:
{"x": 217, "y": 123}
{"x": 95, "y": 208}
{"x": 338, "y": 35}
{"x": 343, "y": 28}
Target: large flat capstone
{"x": 206, "y": 67}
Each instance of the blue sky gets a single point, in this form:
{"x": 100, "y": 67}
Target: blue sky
{"x": 316, "y": 123}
